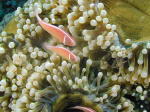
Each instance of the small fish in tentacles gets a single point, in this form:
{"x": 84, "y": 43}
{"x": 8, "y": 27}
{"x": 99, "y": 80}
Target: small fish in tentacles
{"x": 60, "y": 35}
{"x": 65, "y": 53}
{"x": 84, "y": 109}
{"x": 56, "y": 32}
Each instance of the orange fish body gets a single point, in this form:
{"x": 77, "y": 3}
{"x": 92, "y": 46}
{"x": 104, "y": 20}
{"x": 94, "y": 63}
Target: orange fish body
{"x": 84, "y": 109}
{"x": 65, "y": 53}
{"x": 58, "y": 33}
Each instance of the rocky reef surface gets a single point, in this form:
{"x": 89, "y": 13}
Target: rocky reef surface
{"x": 113, "y": 48}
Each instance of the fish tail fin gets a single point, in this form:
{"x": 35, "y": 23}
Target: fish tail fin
{"x": 47, "y": 46}
{"x": 36, "y": 14}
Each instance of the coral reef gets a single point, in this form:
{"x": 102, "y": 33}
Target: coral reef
{"x": 112, "y": 74}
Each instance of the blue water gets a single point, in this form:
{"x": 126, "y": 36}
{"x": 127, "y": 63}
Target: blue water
{"x": 8, "y": 6}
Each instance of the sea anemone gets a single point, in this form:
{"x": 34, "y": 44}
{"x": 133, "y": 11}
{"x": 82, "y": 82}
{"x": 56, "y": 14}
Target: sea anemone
{"x": 111, "y": 75}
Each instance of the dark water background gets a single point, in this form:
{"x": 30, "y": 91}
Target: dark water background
{"x": 7, "y": 8}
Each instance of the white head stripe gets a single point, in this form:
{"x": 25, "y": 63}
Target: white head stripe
{"x": 69, "y": 56}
